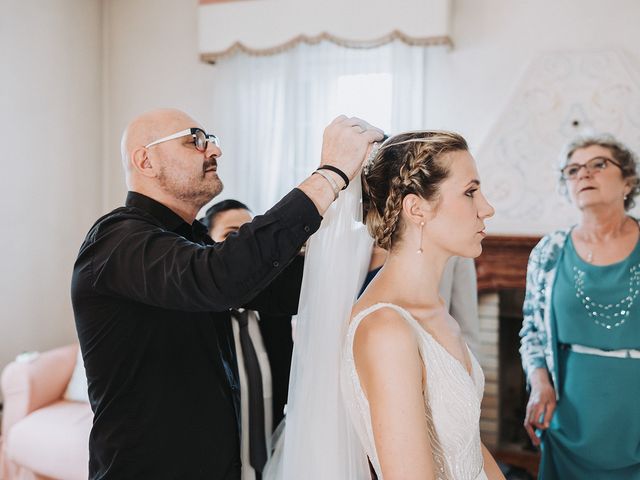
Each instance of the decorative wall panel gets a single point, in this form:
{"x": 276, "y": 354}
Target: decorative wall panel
{"x": 560, "y": 96}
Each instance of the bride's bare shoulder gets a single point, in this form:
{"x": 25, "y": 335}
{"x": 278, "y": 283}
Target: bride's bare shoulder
{"x": 386, "y": 353}
{"x": 382, "y": 329}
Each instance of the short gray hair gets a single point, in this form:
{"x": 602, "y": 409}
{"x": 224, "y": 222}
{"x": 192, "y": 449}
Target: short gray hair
{"x": 621, "y": 154}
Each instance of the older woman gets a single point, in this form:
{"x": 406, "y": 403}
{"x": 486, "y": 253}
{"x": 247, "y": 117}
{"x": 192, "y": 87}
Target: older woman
{"x": 581, "y": 330}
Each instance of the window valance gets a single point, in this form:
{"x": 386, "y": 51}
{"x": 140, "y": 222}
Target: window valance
{"x": 267, "y": 27}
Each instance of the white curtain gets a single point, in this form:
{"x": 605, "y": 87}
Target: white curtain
{"x": 269, "y": 112}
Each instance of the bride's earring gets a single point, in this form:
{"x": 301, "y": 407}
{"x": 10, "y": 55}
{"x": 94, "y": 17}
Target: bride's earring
{"x": 420, "y": 244}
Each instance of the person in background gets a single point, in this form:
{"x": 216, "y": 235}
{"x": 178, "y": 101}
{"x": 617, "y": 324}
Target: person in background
{"x": 269, "y": 334}
{"x": 580, "y": 341}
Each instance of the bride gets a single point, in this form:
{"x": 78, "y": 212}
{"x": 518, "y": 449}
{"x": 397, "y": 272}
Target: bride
{"x": 405, "y": 392}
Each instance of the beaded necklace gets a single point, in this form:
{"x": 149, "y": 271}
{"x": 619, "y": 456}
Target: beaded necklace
{"x": 608, "y": 315}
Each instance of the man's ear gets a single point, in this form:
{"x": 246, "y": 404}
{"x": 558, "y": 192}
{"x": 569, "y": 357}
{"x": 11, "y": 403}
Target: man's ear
{"x": 141, "y": 163}
{"x": 416, "y": 209}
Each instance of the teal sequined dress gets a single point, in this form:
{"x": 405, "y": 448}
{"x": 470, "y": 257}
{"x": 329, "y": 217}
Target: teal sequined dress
{"x": 595, "y": 431}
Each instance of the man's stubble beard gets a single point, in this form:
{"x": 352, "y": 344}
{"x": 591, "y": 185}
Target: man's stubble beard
{"x": 196, "y": 192}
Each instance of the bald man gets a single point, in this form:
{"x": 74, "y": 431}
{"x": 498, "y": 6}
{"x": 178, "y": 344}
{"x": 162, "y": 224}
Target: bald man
{"x": 151, "y": 294}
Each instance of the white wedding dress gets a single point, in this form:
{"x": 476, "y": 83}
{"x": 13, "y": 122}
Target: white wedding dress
{"x": 325, "y": 437}
{"x": 452, "y": 403}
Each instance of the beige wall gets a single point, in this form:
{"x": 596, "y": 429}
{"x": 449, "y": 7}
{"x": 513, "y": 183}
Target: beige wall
{"x": 50, "y": 187}
{"x": 151, "y": 61}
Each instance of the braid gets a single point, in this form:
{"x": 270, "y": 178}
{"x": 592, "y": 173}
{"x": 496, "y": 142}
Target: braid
{"x": 405, "y": 164}
{"x": 413, "y": 172}
{"x": 391, "y": 215}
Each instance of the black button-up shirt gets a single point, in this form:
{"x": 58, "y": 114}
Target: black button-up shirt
{"x": 151, "y": 296}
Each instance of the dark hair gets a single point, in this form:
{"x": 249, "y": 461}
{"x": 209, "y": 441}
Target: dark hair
{"x": 621, "y": 154}
{"x": 408, "y": 163}
{"x": 220, "y": 207}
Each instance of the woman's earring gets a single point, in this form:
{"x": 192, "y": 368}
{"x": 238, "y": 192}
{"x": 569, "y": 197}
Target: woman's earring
{"x": 420, "y": 245}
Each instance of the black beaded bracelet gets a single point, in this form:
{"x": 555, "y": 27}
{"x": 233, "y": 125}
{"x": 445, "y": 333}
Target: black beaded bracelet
{"x": 338, "y": 171}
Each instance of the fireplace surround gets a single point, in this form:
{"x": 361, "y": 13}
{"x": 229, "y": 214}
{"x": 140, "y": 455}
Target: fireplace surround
{"x": 501, "y": 273}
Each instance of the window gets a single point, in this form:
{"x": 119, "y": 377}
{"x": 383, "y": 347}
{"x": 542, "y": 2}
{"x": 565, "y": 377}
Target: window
{"x": 368, "y": 96}
{"x": 270, "y": 112}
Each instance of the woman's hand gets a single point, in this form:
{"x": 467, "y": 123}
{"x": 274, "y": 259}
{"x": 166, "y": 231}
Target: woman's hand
{"x": 542, "y": 403}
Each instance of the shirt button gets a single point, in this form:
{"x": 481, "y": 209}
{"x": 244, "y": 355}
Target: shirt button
{"x": 276, "y": 264}
{"x": 307, "y": 229}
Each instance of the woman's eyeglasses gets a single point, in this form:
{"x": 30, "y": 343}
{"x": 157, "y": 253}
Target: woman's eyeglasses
{"x": 597, "y": 164}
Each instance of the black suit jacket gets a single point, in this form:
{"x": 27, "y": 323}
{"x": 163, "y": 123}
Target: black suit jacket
{"x": 275, "y": 327}
{"x": 151, "y": 297}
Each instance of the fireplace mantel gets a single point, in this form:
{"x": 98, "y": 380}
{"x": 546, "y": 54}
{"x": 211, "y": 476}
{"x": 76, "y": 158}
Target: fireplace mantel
{"x": 503, "y": 263}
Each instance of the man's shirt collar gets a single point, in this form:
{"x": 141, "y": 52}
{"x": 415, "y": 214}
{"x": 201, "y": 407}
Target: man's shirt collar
{"x": 167, "y": 217}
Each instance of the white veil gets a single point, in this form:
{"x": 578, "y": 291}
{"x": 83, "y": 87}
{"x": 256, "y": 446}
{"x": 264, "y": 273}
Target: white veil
{"x": 319, "y": 441}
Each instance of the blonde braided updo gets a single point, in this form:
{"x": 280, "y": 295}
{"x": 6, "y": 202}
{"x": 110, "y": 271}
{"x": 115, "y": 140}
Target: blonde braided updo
{"x": 408, "y": 163}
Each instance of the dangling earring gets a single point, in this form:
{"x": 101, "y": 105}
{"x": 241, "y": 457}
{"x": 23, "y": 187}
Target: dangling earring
{"x": 625, "y": 197}
{"x": 420, "y": 245}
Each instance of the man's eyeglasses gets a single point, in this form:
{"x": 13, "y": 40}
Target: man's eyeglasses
{"x": 597, "y": 164}
{"x": 200, "y": 138}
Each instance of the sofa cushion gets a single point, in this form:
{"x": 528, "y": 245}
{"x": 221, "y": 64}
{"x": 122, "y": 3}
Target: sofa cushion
{"x": 53, "y": 441}
{"x": 77, "y": 389}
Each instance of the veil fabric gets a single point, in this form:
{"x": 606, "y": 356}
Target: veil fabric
{"x": 319, "y": 441}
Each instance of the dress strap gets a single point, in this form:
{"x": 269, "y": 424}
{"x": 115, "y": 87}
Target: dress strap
{"x": 377, "y": 306}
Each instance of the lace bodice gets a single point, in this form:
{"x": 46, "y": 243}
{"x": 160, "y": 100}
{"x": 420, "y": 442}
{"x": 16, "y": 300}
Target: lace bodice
{"x": 452, "y": 403}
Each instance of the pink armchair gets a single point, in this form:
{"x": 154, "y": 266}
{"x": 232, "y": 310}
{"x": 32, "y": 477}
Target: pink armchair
{"x": 44, "y": 436}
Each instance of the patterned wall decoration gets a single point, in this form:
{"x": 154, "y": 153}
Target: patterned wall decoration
{"x": 560, "y": 96}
